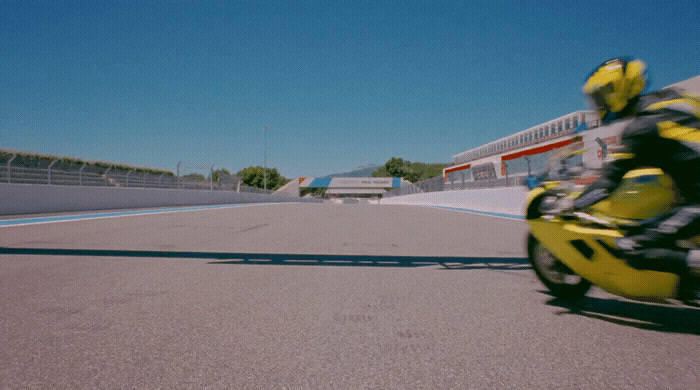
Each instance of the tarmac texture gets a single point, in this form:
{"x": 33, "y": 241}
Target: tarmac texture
{"x": 315, "y": 296}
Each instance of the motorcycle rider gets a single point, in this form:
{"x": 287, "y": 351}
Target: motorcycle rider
{"x": 664, "y": 132}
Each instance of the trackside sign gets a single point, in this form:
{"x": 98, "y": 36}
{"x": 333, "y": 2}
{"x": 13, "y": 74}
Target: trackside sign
{"x": 350, "y": 182}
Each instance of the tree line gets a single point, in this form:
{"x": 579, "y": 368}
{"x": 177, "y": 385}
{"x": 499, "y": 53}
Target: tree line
{"x": 395, "y": 167}
{"x": 411, "y": 171}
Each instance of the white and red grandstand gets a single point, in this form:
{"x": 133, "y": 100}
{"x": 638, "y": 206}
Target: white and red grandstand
{"x": 526, "y": 151}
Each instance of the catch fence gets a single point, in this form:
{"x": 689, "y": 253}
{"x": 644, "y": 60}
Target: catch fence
{"x": 438, "y": 184}
{"x": 95, "y": 176}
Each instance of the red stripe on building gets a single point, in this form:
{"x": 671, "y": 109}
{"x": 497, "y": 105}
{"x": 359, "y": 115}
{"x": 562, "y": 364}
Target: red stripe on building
{"x": 457, "y": 168}
{"x": 538, "y": 150}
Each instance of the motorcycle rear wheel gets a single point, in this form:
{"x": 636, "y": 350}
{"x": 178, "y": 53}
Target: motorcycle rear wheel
{"x": 559, "y": 279}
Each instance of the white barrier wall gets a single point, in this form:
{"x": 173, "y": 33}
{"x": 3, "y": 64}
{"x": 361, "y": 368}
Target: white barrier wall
{"x": 37, "y": 198}
{"x": 508, "y": 200}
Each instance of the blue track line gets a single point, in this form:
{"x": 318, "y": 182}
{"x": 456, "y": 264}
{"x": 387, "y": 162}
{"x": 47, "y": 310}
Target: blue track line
{"x": 80, "y": 217}
{"x": 489, "y": 213}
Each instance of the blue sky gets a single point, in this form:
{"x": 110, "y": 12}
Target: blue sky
{"x": 340, "y": 83}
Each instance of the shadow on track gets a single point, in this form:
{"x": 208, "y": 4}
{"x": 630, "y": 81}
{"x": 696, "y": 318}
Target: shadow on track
{"x": 641, "y": 315}
{"x": 451, "y": 262}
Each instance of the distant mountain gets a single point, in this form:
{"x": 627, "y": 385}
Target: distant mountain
{"x": 361, "y": 171}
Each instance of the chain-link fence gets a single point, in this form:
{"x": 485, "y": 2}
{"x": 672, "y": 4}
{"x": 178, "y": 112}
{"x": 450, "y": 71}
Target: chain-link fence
{"x": 407, "y": 188}
{"x": 477, "y": 184}
{"x": 55, "y": 173}
{"x": 438, "y": 184}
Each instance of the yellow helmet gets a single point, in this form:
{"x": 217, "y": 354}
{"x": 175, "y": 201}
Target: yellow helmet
{"x": 613, "y": 84}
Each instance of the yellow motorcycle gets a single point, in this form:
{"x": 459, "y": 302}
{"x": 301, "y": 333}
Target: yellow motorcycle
{"x": 570, "y": 251}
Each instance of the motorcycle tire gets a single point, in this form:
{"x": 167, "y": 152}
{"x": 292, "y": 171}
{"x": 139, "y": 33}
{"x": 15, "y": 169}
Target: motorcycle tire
{"x": 559, "y": 279}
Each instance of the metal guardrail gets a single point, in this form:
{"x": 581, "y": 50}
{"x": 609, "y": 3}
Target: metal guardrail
{"x": 117, "y": 178}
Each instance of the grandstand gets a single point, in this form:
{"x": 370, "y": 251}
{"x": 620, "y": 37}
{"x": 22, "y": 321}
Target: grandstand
{"x": 519, "y": 154}
{"x": 507, "y": 161}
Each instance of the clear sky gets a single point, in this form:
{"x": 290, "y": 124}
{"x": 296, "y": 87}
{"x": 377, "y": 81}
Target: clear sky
{"x": 340, "y": 83}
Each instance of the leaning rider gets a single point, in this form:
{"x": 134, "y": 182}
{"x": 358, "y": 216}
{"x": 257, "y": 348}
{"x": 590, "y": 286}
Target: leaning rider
{"x": 664, "y": 133}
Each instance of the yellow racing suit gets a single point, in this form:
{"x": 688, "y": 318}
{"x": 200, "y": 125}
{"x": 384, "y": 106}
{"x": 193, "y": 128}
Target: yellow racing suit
{"x": 665, "y": 133}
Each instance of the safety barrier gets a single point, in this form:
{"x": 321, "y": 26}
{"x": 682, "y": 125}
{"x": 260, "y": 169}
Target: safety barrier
{"x": 42, "y": 198}
{"x": 504, "y": 200}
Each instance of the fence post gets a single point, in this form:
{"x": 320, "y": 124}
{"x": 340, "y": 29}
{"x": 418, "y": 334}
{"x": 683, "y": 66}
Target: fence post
{"x": 106, "y": 178}
{"x": 127, "y": 178}
{"x": 529, "y": 169}
{"x": 144, "y": 179}
{"x": 80, "y": 174}
{"x": 160, "y": 178}
{"x": 50, "y": 165}
{"x": 9, "y": 168}
{"x": 211, "y": 179}
{"x": 178, "y": 174}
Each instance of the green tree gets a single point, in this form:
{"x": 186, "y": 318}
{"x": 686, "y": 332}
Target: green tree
{"x": 413, "y": 172}
{"x": 219, "y": 172}
{"x": 195, "y": 176}
{"x": 317, "y": 192}
{"x": 254, "y": 177}
{"x": 396, "y": 167}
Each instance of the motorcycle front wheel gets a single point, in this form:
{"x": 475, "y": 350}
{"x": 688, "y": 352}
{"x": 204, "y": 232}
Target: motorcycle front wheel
{"x": 559, "y": 279}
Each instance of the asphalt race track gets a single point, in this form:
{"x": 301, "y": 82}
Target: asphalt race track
{"x": 315, "y": 296}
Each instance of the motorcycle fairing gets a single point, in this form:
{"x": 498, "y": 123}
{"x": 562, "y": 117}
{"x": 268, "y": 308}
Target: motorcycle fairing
{"x": 643, "y": 193}
{"x": 564, "y": 240}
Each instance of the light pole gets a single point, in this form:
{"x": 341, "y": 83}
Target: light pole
{"x": 265, "y": 161}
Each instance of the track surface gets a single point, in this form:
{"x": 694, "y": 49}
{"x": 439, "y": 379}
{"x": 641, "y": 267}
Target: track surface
{"x": 316, "y": 296}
